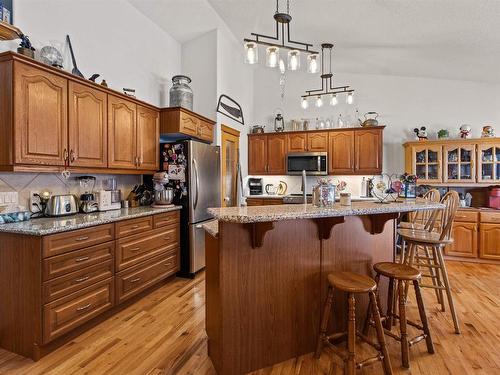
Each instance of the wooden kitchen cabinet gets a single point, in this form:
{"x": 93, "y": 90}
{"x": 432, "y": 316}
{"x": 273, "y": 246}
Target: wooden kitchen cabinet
{"x": 297, "y": 142}
{"x": 148, "y": 138}
{"x": 87, "y": 126}
{"x": 489, "y": 239}
{"x": 368, "y": 151}
{"x": 317, "y": 142}
{"x": 341, "y": 152}
{"x": 122, "y": 129}
{"x": 464, "y": 240}
{"x": 177, "y": 120}
{"x": 40, "y": 116}
{"x": 257, "y": 154}
{"x": 276, "y": 154}
{"x": 459, "y": 162}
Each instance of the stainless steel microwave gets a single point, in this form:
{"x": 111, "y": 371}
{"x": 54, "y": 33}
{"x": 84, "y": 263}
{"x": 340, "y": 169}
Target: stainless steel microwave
{"x": 314, "y": 163}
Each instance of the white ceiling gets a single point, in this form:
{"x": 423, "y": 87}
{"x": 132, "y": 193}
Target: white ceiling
{"x": 451, "y": 39}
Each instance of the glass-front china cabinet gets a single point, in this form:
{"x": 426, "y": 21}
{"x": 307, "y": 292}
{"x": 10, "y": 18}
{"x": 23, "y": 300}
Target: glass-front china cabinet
{"x": 488, "y": 163}
{"x": 427, "y": 163}
{"x": 459, "y": 163}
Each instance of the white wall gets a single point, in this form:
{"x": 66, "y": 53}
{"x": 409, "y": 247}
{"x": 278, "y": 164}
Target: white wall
{"x": 109, "y": 37}
{"x": 403, "y": 103}
{"x": 199, "y": 62}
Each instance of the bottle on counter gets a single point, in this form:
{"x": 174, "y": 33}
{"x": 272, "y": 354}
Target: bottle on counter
{"x": 340, "y": 121}
{"x": 363, "y": 186}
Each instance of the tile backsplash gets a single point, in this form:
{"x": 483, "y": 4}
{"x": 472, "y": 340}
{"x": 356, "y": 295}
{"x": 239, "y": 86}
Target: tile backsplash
{"x": 24, "y": 183}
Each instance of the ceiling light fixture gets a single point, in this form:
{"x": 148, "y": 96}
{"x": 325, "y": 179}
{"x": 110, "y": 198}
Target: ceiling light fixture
{"x": 327, "y": 87}
{"x": 281, "y": 40}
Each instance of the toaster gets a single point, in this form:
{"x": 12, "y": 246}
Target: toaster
{"x": 61, "y": 205}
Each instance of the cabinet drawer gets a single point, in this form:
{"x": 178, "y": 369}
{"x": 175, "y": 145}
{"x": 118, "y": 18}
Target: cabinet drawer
{"x": 67, "y": 313}
{"x": 490, "y": 217}
{"x": 63, "y": 242}
{"x": 133, "y": 226}
{"x": 136, "y": 279}
{"x": 138, "y": 248}
{"x": 466, "y": 216}
{"x": 165, "y": 219}
{"x": 206, "y": 131}
{"x": 73, "y": 282}
{"x": 77, "y": 260}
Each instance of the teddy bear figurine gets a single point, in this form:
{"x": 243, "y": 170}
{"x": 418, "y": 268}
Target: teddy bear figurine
{"x": 421, "y": 133}
{"x": 465, "y": 131}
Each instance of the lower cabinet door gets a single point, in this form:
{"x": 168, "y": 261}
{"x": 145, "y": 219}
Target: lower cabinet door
{"x": 489, "y": 240}
{"x": 464, "y": 240}
{"x": 65, "y": 314}
{"x": 138, "y": 278}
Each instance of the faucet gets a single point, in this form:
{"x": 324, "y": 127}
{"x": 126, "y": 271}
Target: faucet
{"x": 304, "y": 187}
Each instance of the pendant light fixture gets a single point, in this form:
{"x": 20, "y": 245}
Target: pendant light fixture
{"x": 327, "y": 87}
{"x": 281, "y": 40}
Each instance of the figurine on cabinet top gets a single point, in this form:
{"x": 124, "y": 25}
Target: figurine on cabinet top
{"x": 421, "y": 133}
{"x": 443, "y": 134}
{"x": 465, "y": 131}
{"x": 487, "y": 132}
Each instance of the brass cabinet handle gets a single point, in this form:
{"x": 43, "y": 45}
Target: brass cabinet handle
{"x": 135, "y": 249}
{"x": 134, "y": 227}
{"x": 83, "y": 308}
{"x": 65, "y": 154}
{"x": 167, "y": 238}
{"x": 135, "y": 280}
{"x": 81, "y": 259}
{"x": 82, "y": 279}
{"x": 167, "y": 264}
{"x": 139, "y": 161}
{"x": 72, "y": 156}
{"x": 82, "y": 238}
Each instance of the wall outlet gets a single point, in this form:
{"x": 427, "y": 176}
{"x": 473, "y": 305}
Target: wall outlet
{"x": 35, "y": 203}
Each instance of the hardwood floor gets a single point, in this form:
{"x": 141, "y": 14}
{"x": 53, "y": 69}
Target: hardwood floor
{"x": 164, "y": 334}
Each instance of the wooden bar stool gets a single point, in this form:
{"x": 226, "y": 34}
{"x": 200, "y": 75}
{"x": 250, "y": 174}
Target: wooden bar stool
{"x": 402, "y": 274}
{"x": 432, "y": 244}
{"x": 352, "y": 284}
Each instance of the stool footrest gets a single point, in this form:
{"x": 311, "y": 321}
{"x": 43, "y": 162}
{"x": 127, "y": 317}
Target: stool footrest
{"x": 433, "y": 286}
{"x": 336, "y": 336}
{"x": 369, "y": 361}
{"x": 417, "y": 339}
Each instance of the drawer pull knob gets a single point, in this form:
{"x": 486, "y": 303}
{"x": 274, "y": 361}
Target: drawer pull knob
{"x": 82, "y": 238}
{"x": 167, "y": 238}
{"x": 82, "y": 259}
{"x": 135, "y": 280}
{"x": 168, "y": 264}
{"x": 82, "y": 279}
{"x": 83, "y": 308}
{"x": 134, "y": 226}
{"x": 135, "y": 249}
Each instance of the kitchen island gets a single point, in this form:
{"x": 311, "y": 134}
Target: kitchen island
{"x": 266, "y": 275}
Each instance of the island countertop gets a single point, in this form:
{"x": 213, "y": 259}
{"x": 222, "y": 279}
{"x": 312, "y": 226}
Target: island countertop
{"x": 255, "y": 214}
{"x": 50, "y": 225}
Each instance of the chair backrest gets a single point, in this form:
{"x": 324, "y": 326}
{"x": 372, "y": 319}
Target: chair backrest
{"x": 451, "y": 201}
{"x": 425, "y": 217}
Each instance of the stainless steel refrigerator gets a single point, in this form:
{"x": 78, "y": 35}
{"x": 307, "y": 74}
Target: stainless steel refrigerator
{"x": 194, "y": 172}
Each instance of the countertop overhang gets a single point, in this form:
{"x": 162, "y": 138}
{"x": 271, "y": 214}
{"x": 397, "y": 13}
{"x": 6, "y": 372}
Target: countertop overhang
{"x": 51, "y": 225}
{"x": 256, "y": 214}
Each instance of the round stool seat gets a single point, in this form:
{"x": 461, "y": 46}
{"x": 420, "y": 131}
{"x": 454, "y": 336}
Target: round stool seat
{"x": 352, "y": 282}
{"x": 397, "y": 271}
{"x": 406, "y": 225}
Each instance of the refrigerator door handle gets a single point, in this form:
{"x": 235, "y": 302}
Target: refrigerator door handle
{"x": 197, "y": 182}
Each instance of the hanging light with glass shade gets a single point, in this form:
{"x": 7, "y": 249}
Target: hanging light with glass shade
{"x": 282, "y": 41}
{"x": 327, "y": 87}
{"x": 304, "y": 103}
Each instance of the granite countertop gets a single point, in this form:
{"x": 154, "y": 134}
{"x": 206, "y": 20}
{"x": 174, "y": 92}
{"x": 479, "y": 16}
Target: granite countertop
{"x": 51, "y": 225}
{"x": 254, "y": 214}
{"x": 212, "y": 227}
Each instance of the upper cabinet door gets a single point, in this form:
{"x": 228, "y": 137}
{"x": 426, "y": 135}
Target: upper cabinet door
{"x": 121, "y": 133}
{"x": 426, "y": 163}
{"x": 317, "y": 142}
{"x": 257, "y": 154}
{"x": 459, "y": 163}
{"x": 341, "y": 152}
{"x": 297, "y": 142}
{"x": 276, "y": 153}
{"x": 148, "y": 138}
{"x": 88, "y": 126}
{"x": 40, "y": 116}
{"x": 368, "y": 151}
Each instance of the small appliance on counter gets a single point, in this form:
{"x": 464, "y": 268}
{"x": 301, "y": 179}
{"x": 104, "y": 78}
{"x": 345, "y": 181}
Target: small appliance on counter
{"x": 87, "y": 198}
{"x": 61, "y": 205}
{"x": 494, "y": 198}
{"x": 163, "y": 195}
{"x": 256, "y": 186}
{"x": 108, "y": 200}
